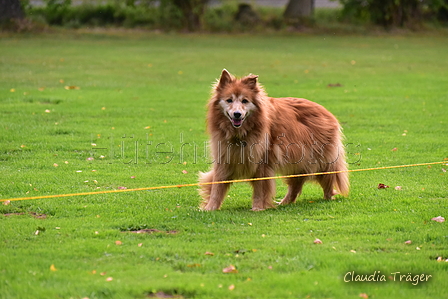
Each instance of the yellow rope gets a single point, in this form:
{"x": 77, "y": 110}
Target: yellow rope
{"x": 220, "y": 182}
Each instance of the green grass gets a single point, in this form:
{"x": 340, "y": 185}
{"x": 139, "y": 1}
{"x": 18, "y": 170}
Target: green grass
{"x": 151, "y": 90}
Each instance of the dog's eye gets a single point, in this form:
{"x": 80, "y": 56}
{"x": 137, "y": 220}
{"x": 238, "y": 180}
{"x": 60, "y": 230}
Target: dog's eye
{"x": 245, "y": 101}
{"x": 229, "y": 100}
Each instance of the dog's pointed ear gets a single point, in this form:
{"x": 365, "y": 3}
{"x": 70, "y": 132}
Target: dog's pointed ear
{"x": 250, "y": 81}
{"x": 225, "y": 78}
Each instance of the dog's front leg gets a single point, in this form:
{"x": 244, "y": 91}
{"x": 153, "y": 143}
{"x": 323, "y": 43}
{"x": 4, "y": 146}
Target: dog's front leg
{"x": 217, "y": 196}
{"x": 264, "y": 190}
{"x": 213, "y": 194}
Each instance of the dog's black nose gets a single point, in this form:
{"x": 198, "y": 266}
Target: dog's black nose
{"x": 237, "y": 115}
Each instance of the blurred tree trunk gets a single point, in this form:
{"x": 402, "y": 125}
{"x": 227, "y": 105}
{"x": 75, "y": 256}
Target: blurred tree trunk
{"x": 10, "y": 9}
{"x": 192, "y": 11}
{"x": 297, "y": 9}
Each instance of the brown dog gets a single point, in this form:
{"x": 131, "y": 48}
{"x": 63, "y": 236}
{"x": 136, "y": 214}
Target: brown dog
{"x": 254, "y": 136}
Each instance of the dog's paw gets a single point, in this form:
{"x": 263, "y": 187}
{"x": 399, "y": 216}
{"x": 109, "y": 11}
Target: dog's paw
{"x": 284, "y": 202}
{"x": 209, "y": 207}
{"x": 257, "y": 209}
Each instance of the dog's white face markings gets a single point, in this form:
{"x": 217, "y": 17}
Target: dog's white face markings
{"x": 237, "y": 108}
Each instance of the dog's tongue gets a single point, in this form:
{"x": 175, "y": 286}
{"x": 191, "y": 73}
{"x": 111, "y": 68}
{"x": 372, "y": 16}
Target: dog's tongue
{"x": 237, "y": 122}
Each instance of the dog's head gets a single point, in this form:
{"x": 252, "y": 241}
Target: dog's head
{"x": 238, "y": 98}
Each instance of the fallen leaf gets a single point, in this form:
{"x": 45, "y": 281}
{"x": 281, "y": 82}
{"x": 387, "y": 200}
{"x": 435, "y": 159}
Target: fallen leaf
{"x": 12, "y": 90}
{"x": 103, "y": 273}
{"x": 71, "y": 87}
{"x": 133, "y": 177}
{"x": 184, "y": 171}
{"x": 317, "y": 241}
{"x": 122, "y": 188}
{"x": 209, "y": 253}
{"x": 408, "y": 242}
{"x": 364, "y": 295}
{"x": 90, "y": 158}
{"x": 398, "y": 188}
{"x": 47, "y": 111}
{"x": 109, "y": 279}
{"x": 140, "y": 244}
{"x": 334, "y": 85}
{"x": 55, "y": 165}
{"x": 118, "y": 242}
{"x": 231, "y": 287}
{"x": 53, "y": 268}
{"x": 353, "y": 251}
{"x": 41, "y": 88}
{"x": 438, "y": 219}
{"x": 230, "y": 269}
{"x": 6, "y": 202}
{"x": 439, "y": 259}
{"x": 394, "y": 149}
{"x": 417, "y": 248}
{"x": 382, "y": 186}
{"x": 193, "y": 265}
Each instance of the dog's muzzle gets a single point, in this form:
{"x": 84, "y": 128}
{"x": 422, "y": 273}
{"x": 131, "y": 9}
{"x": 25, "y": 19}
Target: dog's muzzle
{"x": 236, "y": 119}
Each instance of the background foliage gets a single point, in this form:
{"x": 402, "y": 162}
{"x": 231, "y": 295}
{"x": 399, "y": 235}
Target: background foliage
{"x": 195, "y": 15}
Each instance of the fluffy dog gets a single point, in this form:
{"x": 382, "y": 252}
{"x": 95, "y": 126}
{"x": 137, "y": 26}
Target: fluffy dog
{"x": 253, "y": 136}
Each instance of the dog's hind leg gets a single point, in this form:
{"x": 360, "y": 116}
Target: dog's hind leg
{"x": 294, "y": 189}
{"x": 327, "y": 181}
{"x": 264, "y": 191}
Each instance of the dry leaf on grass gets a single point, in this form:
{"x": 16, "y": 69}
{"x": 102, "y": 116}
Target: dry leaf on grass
{"x": 194, "y": 265}
{"x": 53, "y": 268}
{"x": 209, "y": 253}
{"x": 408, "y": 242}
{"x": 230, "y": 269}
{"x": 382, "y": 186}
{"x": 317, "y": 241}
{"x": 71, "y": 87}
{"x": 438, "y": 219}
{"x": 364, "y": 295}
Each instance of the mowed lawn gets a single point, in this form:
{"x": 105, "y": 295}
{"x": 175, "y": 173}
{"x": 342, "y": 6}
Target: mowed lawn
{"x": 107, "y": 111}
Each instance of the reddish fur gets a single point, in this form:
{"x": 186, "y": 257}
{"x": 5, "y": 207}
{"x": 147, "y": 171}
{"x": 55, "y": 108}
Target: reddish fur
{"x": 312, "y": 133}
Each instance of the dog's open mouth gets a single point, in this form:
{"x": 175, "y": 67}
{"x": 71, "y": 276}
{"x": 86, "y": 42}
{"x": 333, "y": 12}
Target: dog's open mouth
{"x": 237, "y": 122}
